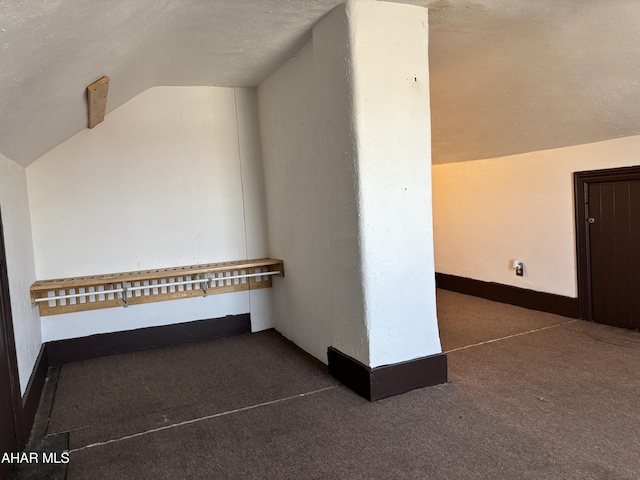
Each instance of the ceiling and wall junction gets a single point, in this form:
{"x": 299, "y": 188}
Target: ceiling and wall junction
{"x": 506, "y": 76}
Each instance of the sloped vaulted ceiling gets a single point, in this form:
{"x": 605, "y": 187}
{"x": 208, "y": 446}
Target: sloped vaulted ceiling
{"x": 53, "y": 49}
{"x": 515, "y": 76}
{"x": 507, "y": 76}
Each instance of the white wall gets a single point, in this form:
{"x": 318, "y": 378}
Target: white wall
{"x": 158, "y": 184}
{"x": 310, "y": 204}
{"x": 345, "y": 135}
{"x": 82, "y": 324}
{"x": 14, "y": 203}
{"x": 255, "y": 209}
{"x": 338, "y": 154}
{"x": 489, "y": 212}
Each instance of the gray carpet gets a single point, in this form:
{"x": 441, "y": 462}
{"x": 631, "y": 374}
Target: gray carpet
{"x": 109, "y": 397}
{"x": 559, "y": 402}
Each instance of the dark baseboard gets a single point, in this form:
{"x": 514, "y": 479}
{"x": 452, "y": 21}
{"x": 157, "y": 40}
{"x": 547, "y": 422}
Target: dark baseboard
{"x": 31, "y": 397}
{"x": 85, "y": 348}
{"x": 40, "y": 442}
{"x": 387, "y": 380}
{"x": 56, "y": 353}
{"x": 521, "y": 297}
{"x": 350, "y": 372}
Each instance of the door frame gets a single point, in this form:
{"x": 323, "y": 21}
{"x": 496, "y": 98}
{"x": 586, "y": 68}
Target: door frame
{"x": 6, "y": 329}
{"x": 581, "y": 181}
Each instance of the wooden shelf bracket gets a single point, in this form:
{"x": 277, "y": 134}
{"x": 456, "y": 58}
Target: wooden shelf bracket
{"x": 97, "y": 100}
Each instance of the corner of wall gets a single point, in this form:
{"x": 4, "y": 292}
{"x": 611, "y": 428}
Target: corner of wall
{"x": 529, "y": 199}
{"x": 20, "y": 265}
{"x": 157, "y": 184}
{"x": 254, "y": 199}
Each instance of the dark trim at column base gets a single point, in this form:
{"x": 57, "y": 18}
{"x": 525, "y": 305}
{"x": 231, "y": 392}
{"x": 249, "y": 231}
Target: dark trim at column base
{"x": 521, "y": 297}
{"x": 31, "y": 397}
{"x": 387, "y": 380}
{"x": 128, "y": 341}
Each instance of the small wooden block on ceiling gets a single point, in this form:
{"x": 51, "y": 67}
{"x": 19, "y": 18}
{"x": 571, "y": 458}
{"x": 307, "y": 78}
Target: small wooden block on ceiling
{"x": 97, "y": 96}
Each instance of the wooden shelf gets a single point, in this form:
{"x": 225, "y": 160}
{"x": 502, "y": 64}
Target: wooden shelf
{"x": 148, "y": 286}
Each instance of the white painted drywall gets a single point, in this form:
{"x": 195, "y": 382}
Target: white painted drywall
{"x": 158, "y": 184}
{"x": 250, "y": 150}
{"x": 356, "y": 244}
{"x": 310, "y": 203}
{"x": 392, "y": 116}
{"x": 255, "y": 210}
{"x": 82, "y": 324}
{"x": 332, "y": 45}
{"x": 489, "y": 212}
{"x": 14, "y": 204}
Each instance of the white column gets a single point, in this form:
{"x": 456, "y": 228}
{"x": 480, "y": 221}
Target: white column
{"x": 345, "y": 129}
{"x": 373, "y": 72}
{"x": 392, "y": 118}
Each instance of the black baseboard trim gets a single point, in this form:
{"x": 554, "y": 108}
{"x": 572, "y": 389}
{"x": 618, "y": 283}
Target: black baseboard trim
{"x": 128, "y": 341}
{"x": 388, "y": 380}
{"x": 40, "y": 442}
{"x": 31, "y": 397}
{"x": 56, "y": 353}
{"x": 521, "y": 297}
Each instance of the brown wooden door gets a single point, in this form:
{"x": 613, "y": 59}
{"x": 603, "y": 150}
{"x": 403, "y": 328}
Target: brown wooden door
{"x": 613, "y": 224}
{"x": 10, "y": 414}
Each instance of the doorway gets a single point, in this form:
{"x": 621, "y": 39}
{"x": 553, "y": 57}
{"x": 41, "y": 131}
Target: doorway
{"x": 11, "y": 435}
{"x": 608, "y": 239}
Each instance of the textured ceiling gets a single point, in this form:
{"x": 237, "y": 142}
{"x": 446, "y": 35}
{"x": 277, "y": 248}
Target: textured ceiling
{"x": 507, "y": 76}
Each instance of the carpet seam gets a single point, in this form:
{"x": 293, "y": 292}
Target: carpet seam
{"x": 199, "y": 419}
{"x": 511, "y": 336}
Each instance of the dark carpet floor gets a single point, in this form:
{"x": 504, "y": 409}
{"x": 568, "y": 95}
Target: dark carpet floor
{"x": 531, "y": 396}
